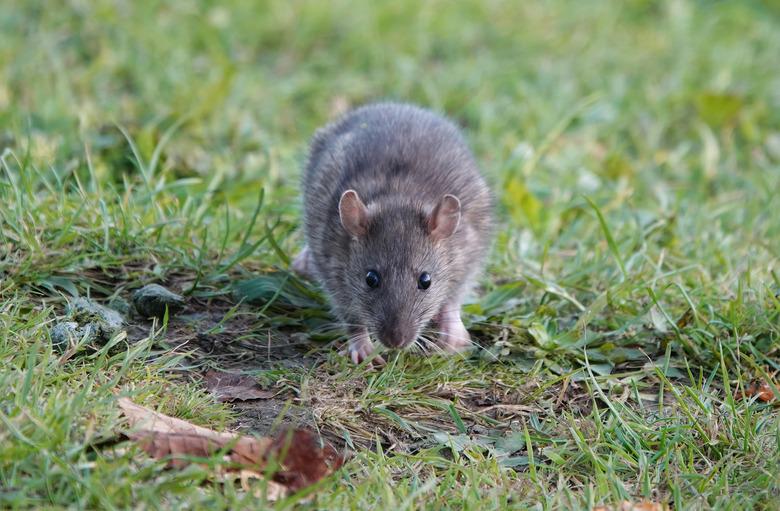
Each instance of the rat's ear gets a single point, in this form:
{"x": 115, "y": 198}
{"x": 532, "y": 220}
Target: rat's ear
{"x": 353, "y": 213}
{"x": 445, "y": 217}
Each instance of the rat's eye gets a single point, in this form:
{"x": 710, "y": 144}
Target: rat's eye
{"x": 424, "y": 282}
{"x": 372, "y": 279}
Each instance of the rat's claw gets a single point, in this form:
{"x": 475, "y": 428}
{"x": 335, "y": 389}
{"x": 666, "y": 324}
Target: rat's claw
{"x": 360, "y": 356}
{"x": 361, "y": 349}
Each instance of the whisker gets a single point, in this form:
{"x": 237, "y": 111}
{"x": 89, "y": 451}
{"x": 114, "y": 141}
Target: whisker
{"x": 470, "y": 341}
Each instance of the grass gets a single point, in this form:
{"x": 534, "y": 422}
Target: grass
{"x": 631, "y": 295}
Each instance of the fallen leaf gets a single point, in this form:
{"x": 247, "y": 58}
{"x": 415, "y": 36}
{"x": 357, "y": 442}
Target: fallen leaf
{"x": 686, "y": 318}
{"x": 144, "y": 419}
{"x": 294, "y": 458}
{"x": 271, "y": 490}
{"x": 303, "y": 460}
{"x": 234, "y": 387}
{"x": 760, "y": 389}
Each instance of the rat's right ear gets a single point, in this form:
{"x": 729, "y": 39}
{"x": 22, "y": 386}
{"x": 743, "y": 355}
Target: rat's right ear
{"x": 353, "y": 213}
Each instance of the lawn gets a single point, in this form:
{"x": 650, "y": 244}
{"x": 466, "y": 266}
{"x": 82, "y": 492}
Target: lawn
{"x": 630, "y": 307}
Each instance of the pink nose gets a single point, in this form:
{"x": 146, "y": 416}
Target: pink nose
{"x": 396, "y": 337}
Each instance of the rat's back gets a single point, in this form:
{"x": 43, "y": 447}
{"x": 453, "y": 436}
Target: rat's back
{"x": 390, "y": 149}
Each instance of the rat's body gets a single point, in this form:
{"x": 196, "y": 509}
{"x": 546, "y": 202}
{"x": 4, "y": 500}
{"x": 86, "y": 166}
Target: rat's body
{"x": 397, "y": 222}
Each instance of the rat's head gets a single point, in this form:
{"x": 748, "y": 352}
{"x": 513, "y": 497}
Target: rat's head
{"x": 397, "y": 272}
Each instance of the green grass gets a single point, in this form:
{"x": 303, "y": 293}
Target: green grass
{"x": 631, "y": 295}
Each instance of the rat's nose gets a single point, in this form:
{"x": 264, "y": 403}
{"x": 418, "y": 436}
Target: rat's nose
{"x": 396, "y": 336}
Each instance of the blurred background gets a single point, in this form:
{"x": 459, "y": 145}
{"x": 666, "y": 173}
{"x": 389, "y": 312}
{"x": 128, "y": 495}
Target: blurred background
{"x": 634, "y": 148}
{"x": 650, "y": 107}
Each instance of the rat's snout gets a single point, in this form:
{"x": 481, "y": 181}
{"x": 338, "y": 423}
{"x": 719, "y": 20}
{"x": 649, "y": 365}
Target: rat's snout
{"x": 397, "y": 335}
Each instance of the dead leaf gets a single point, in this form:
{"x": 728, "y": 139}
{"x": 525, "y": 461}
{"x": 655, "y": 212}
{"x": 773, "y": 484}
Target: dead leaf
{"x": 760, "y": 389}
{"x": 686, "y": 318}
{"x": 144, "y": 419}
{"x": 234, "y": 387}
{"x": 626, "y": 505}
{"x": 271, "y": 490}
{"x": 302, "y": 460}
{"x": 294, "y": 458}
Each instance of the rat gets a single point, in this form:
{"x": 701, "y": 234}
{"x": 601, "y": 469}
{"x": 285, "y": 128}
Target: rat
{"x": 397, "y": 221}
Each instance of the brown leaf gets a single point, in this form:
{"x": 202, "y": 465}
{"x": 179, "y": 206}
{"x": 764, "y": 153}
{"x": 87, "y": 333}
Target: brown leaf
{"x": 234, "y": 387}
{"x": 685, "y": 319}
{"x": 304, "y": 461}
{"x": 273, "y": 490}
{"x": 294, "y": 458}
{"x": 144, "y": 419}
{"x": 760, "y": 389}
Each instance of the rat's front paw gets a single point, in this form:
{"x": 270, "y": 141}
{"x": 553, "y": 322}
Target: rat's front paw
{"x": 361, "y": 349}
{"x": 454, "y": 338}
{"x": 303, "y": 265}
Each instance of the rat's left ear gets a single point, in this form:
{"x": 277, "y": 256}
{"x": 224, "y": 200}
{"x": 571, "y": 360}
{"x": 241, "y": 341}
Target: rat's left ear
{"x": 445, "y": 217}
{"x": 353, "y": 213}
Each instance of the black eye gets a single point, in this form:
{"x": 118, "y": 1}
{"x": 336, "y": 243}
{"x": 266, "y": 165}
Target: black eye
{"x": 372, "y": 279}
{"x": 424, "y": 282}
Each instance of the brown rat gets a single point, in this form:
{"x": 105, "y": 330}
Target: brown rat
{"x": 397, "y": 222}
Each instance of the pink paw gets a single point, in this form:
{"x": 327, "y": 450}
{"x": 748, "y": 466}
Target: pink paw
{"x": 362, "y": 349}
{"x": 302, "y": 264}
{"x": 456, "y": 340}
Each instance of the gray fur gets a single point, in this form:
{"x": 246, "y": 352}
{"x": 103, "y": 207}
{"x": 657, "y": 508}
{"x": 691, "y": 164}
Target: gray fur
{"x": 401, "y": 160}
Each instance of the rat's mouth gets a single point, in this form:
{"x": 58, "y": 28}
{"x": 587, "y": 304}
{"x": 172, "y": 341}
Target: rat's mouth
{"x": 398, "y": 331}
{"x": 397, "y": 340}
{"x": 398, "y": 345}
